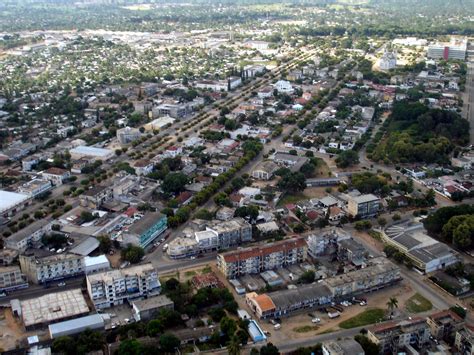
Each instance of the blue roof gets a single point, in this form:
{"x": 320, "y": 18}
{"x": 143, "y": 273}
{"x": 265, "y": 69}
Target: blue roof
{"x": 256, "y": 333}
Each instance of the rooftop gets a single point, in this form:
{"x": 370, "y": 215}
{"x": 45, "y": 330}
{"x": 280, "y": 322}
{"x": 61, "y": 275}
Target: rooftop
{"x": 53, "y": 307}
{"x": 145, "y": 223}
{"x": 152, "y": 303}
{"x": 94, "y": 151}
{"x": 286, "y": 298}
{"x": 10, "y": 199}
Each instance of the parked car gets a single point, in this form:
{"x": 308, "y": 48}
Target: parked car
{"x": 61, "y": 284}
{"x": 315, "y": 320}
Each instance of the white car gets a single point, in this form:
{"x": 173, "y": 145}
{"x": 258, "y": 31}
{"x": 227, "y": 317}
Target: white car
{"x": 315, "y": 320}
{"x": 61, "y": 284}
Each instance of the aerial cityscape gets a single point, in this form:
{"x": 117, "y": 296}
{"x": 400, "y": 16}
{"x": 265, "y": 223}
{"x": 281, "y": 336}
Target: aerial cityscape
{"x": 237, "y": 177}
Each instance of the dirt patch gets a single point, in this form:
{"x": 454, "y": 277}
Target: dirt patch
{"x": 12, "y": 333}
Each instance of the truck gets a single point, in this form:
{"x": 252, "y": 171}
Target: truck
{"x": 333, "y": 315}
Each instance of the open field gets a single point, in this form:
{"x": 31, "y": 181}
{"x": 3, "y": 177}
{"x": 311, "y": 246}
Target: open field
{"x": 369, "y": 316}
{"x": 417, "y": 304}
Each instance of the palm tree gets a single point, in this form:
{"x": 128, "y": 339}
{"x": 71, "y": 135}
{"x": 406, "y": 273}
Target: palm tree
{"x": 234, "y": 346}
{"x": 392, "y": 303}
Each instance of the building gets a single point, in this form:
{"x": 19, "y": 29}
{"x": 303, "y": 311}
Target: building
{"x": 363, "y": 206}
{"x": 222, "y": 85}
{"x": 264, "y": 170}
{"x": 128, "y": 135}
{"x": 40, "y": 266}
{"x": 207, "y": 240}
{"x": 256, "y": 333}
{"x": 77, "y": 325}
{"x": 233, "y": 232}
{"x": 261, "y": 305}
{"x": 443, "y": 325}
{"x": 254, "y": 260}
{"x": 182, "y": 247}
{"x": 93, "y": 264}
{"x": 455, "y": 49}
{"x": 208, "y": 280}
{"x": 252, "y": 70}
{"x": 12, "y": 202}
{"x": 11, "y": 278}
{"x": 320, "y": 243}
{"x": 388, "y": 60}
{"x": 464, "y": 341}
{"x": 111, "y": 288}
{"x": 393, "y": 337}
{"x": 426, "y": 253}
{"x": 150, "y": 308}
{"x": 173, "y": 110}
{"x": 293, "y": 162}
{"x": 35, "y": 187}
{"x": 144, "y": 231}
{"x": 380, "y": 274}
{"x": 51, "y": 308}
{"x": 284, "y": 86}
{"x": 8, "y": 256}
{"x": 95, "y": 153}
{"x": 96, "y": 196}
{"x": 159, "y": 123}
{"x": 57, "y": 176}
{"x": 346, "y": 346}
{"x": 29, "y": 236}
{"x": 143, "y": 167}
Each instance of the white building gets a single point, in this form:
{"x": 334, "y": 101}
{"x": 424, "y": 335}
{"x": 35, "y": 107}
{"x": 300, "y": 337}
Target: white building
{"x": 111, "y": 288}
{"x": 207, "y": 239}
{"x": 388, "y": 60}
{"x": 94, "y": 264}
{"x": 455, "y": 49}
{"x": 35, "y": 187}
{"x": 28, "y": 236}
{"x": 128, "y": 135}
{"x": 284, "y": 86}
{"x": 91, "y": 152}
{"x": 57, "y": 176}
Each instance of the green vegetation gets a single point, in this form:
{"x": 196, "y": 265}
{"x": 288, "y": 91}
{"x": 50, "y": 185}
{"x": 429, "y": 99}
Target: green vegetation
{"x": 291, "y": 198}
{"x": 369, "y": 316}
{"x": 347, "y": 158}
{"x": 417, "y": 304}
{"x": 305, "y": 328}
{"x": 132, "y": 254}
{"x": 416, "y": 133}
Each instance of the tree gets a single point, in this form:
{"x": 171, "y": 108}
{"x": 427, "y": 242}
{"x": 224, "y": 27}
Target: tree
{"x": 169, "y": 342}
{"x": 347, "y": 158}
{"x": 381, "y": 221}
{"x": 174, "y": 183}
{"x": 292, "y": 182}
{"x": 307, "y": 277}
{"x": 247, "y": 211}
{"x": 132, "y": 254}
{"x": 64, "y": 345}
{"x": 269, "y": 349}
{"x": 105, "y": 244}
{"x": 130, "y": 347}
{"x": 204, "y": 214}
{"x": 392, "y": 303}
{"x": 234, "y": 346}
{"x": 154, "y": 327}
{"x": 228, "y": 326}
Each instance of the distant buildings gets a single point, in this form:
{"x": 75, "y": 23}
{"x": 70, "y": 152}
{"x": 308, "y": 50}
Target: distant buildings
{"x": 41, "y": 266}
{"x": 111, "y": 288}
{"x": 254, "y": 260}
{"x": 363, "y": 206}
{"x": 220, "y": 235}
{"x": 284, "y": 87}
{"x": 455, "y": 49}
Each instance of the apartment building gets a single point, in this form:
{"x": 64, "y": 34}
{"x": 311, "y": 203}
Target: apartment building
{"x": 11, "y": 278}
{"x": 233, "y": 232}
{"x": 111, "y": 288}
{"x": 173, "y": 110}
{"x": 455, "y": 49}
{"x": 42, "y": 266}
{"x": 96, "y": 196}
{"x": 257, "y": 259}
{"x": 363, "y": 206}
{"x": 143, "y": 232}
{"x": 464, "y": 341}
{"x": 393, "y": 337}
{"x": 28, "y": 236}
{"x": 444, "y": 324}
{"x": 373, "y": 277}
{"x": 35, "y": 187}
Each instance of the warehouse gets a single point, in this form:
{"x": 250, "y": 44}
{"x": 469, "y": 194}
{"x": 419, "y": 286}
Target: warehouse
{"x": 91, "y": 152}
{"x": 77, "y": 325}
{"x": 53, "y": 307}
{"x": 12, "y": 202}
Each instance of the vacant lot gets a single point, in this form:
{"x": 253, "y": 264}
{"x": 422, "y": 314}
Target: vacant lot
{"x": 417, "y": 303}
{"x": 369, "y": 316}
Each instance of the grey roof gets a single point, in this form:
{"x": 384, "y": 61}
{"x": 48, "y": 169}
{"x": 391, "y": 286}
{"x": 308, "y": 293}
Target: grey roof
{"x": 92, "y": 321}
{"x": 28, "y": 230}
{"x": 86, "y": 247}
{"x": 287, "y": 298}
{"x": 346, "y": 346}
{"x": 145, "y": 223}
{"x": 365, "y": 198}
{"x": 407, "y": 241}
{"x": 431, "y": 252}
{"x": 153, "y": 303}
